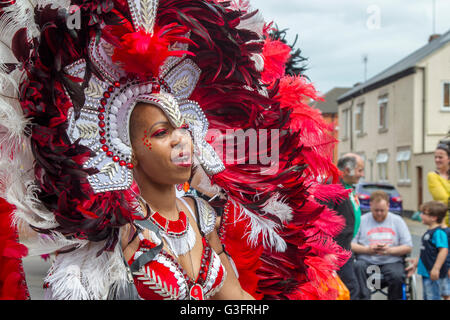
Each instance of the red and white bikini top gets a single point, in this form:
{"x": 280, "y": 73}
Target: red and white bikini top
{"x": 164, "y": 278}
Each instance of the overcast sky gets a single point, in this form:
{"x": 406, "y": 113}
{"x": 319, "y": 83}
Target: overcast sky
{"x": 335, "y": 34}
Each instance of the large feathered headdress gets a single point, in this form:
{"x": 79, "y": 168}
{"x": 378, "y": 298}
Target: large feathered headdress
{"x": 71, "y": 78}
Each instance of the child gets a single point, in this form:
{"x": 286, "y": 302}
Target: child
{"x": 432, "y": 265}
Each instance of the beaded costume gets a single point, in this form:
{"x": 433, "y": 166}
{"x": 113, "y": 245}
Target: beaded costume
{"x": 72, "y": 72}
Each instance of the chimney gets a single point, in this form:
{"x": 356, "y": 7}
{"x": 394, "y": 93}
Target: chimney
{"x": 433, "y": 36}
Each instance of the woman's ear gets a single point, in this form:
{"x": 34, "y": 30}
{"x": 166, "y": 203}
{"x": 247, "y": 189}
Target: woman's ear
{"x": 134, "y": 160}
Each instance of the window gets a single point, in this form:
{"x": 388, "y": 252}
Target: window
{"x": 382, "y": 164}
{"x": 446, "y": 96}
{"x": 382, "y": 112}
{"x": 359, "y": 118}
{"x": 345, "y": 124}
{"x": 403, "y": 163}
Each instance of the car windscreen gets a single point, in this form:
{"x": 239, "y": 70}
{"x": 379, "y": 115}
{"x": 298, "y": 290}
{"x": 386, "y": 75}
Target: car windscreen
{"x": 369, "y": 188}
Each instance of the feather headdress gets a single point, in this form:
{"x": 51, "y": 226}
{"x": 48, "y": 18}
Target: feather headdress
{"x": 67, "y": 95}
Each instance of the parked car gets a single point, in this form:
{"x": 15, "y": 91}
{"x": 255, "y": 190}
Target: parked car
{"x": 364, "y": 190}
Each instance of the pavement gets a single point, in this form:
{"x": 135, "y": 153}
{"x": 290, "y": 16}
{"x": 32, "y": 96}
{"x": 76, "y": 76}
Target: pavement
{"x": 36, "y": 267}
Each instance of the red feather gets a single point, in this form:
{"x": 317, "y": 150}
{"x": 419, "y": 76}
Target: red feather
{"x": 12, "y": 277}
{"x": 143, "y": 53}
{"x": 275, "y": 54}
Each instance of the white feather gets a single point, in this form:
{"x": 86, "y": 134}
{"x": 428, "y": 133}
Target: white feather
{"x": 81, "y": 275}
{"x": 39, "y": 244}
{"x": 278, "y": 208}
{"x": 21, "y": 15}
{"x": 19, "y": 189}
{"x": 12, "y": 127}
{"x": 266, "y": 227}
{"x": 254, "y": 23}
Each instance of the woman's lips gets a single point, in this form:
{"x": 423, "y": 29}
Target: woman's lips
{"x": 183, "y": 159}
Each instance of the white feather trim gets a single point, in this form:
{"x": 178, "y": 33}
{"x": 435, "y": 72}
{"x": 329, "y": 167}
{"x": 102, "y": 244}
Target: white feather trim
{"x": 81, "y": 275}
{"x": 20, "y": 190}
{"x": 278, "y": 208}
{"x": 39, "y": 244}
{"x": 259, "y": 61}
{"x": 268, "y": 228}
{"x": 255, "y": 24}
{"x": 12, "y": 127}
{"x": 21, "y": 15}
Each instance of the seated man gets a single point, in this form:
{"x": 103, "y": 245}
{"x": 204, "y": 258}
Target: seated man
{"x": 381, "y": 242}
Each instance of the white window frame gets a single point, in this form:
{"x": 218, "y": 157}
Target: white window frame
{"x": 443, "y": 107}
{"x": 403, "y": 165}
{"x": 359, "y": 110}
{"x": 383, "y": 102}
{"x": 346, "y": 123}
{"x": 382, "y": 161}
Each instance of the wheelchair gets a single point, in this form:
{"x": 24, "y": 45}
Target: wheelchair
{"x": 409, "y": 287}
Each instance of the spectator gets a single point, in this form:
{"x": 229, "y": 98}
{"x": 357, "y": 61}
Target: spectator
{"x": 382, "y": 240}
{"x": 432, "y": 264}
{"x": 439, "y": 180}
{"x": 352, "y": 168}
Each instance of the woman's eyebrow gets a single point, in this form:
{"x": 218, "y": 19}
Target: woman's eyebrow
{"x": 156, "y": 123}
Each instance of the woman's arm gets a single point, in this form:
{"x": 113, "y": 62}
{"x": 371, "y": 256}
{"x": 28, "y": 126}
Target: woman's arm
{"x": 231, "y": 289}
{"x": 436, "y": 188}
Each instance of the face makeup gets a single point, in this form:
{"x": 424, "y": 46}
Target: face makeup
{"x": 146, "y": 141}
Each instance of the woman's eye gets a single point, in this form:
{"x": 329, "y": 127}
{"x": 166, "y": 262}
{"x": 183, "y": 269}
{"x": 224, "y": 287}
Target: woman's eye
{"x": 159, "y": 133}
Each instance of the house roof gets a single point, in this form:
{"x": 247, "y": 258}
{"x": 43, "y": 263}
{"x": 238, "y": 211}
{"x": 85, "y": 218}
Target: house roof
{"x": 329, "y": 105}
{"x": 402, "y": 68}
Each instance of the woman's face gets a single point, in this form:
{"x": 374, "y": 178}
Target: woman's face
{"x": 163, "y": 153}
{"x": 441, "y": 159}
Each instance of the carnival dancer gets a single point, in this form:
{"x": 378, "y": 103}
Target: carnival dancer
{"x": 116, "y": 102}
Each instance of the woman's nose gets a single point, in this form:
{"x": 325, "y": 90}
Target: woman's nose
{"x": 179, "y": 136}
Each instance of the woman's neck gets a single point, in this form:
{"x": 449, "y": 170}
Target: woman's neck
{"x": 443, "y": 171}
{"x": 161, "y": 198}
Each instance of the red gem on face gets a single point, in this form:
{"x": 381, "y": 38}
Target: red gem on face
{"x": 109, "y": 154}
{"x": 122, "y": 163}
{"x": 101, "y": 124}
{"x": 105, "y": 148}
{"x": 115, "y": 158}
{"x": 102, "y": 140}
{"x": 103, "y": 102}
{"x": 102, "y": 133}
{"x": 111, "y": 89}
{"x": 117, "y": 84}
{"x": 101, "y": 109}
{"x": 130, "y": 166}
{"x": 101, "y": 116}
{"x": 106, "y": 95}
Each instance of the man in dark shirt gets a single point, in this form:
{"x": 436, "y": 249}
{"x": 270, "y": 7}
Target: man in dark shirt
{"x": 352, "y": 168}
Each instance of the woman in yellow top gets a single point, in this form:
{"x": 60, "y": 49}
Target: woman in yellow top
{"x": 439, "y": 180}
